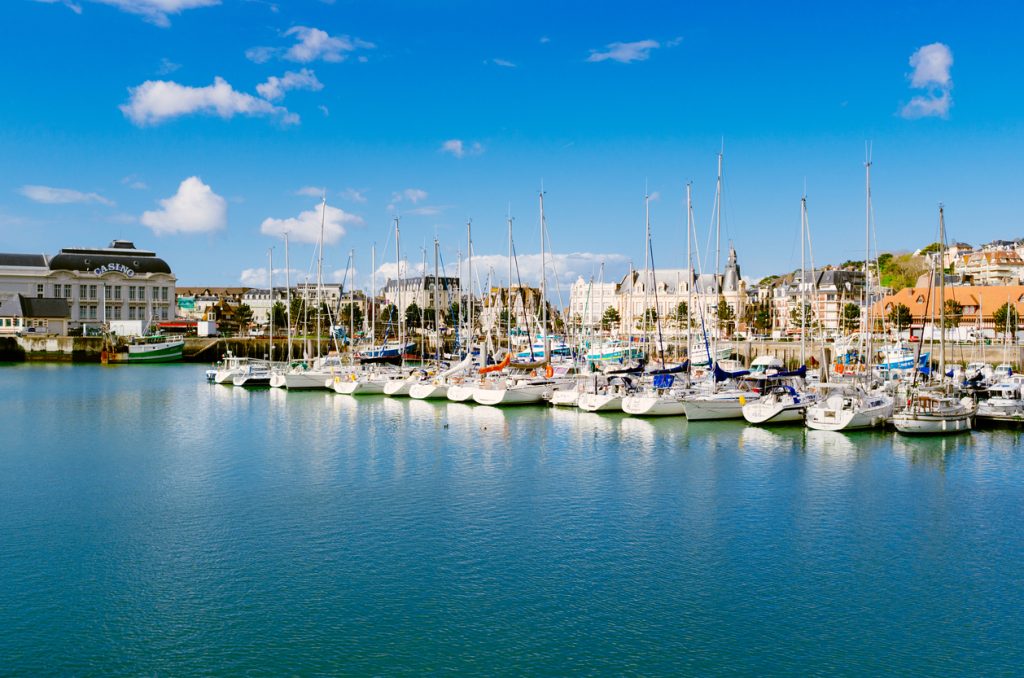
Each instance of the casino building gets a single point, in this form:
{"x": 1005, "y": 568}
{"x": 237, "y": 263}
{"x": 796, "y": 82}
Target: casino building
{"x": 115, "y": 283}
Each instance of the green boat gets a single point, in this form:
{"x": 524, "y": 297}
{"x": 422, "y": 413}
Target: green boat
{"x": 156, "y": 349}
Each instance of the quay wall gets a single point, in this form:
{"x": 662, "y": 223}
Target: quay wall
{"x": 209, "y": 350}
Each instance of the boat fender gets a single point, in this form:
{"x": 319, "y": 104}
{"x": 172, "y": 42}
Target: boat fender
{"x": 549, "y": 371}
{"x": 352, "y": 377}
{"x": 743, "y": 401}
{"x": 533, "y": 373}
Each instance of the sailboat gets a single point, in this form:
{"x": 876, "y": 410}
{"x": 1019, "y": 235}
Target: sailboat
{"x": 783, "y": 400}
{"x": 935, "y": 411}
{"x": 709, "y": 401}
{"x": 524, "y": 384}
{"x": 854, "y": 404}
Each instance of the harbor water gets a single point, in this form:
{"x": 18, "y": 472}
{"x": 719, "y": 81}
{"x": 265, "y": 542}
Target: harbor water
{"x": 151, "y": 523}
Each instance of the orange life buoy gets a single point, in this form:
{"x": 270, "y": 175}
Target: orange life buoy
{"x": 549, "y": 371}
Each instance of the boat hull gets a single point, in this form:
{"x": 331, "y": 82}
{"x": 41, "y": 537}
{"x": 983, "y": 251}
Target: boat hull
{"x": 565, "y": 397}
{"x": 516, "y": 395}
{"x": 597, "y": 402}
{"x": 652, "y": 406}
{"x": 429, "y": 391}
{"x": 162, "y": 352}
{"x": 398, "y": 388}
{"x": 710, "y": 410}
{"x": 929, "y": 424}
{"x": 460, "y": 393}
{"x": 358, "y": 387}
{"x": 764, "y": 414}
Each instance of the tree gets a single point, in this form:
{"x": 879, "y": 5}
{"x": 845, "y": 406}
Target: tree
{"x": 388, "y": 322}
{"x": 650, "y": 319}
{"x": 954, "y": 313}
{"x": 243, "y": 316}
{"x": 351, "y": 316}
{"x": 726, "y": 317}
{"x": 280, "y": 313}
{"x": 453, "y": 316}
{"x": 1006, "y": 319}
{"x": 503, "y": 319}
{"x": 900, "y": 317}
{"x": 413, "y": 315}
{"x": 682, "y": 312}
{"x": 299, "y": 319}
{"x": 428, "y": 318}
{"x": 802, "y": 317}
{"x": 759, "y": 316}
{"x": 851, "y": 317}
{"x": 931, "y": 249}
{"x": 610, "y": 318}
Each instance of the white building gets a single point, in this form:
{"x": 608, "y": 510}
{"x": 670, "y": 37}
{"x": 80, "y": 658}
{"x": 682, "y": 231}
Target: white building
{"x": 420, "y": 291}
{"x": 588, "y": 301}
{"x": 119, "y": 282}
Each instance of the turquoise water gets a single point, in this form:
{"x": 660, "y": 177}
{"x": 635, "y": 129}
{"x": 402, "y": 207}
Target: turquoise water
{"x": 151, "y": 523}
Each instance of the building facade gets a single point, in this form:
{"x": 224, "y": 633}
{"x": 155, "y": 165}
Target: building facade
{"x": 100, "y": 285}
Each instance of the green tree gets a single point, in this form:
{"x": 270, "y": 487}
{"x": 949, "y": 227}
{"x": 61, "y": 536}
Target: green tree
{"x": 954, "y": 313}
{"x": 428, "y": 318}
{"x": 453, "y": 315}
{"x": 931, "y": 249}
{"x": 682, "y": 312}
{"x": 243, "y": 316}
{"x": 610, "y": 318}
{"x": 650, "y": 319}
{"x": 503, "y": 319}
{"x": 351, "y": 315}
{"x": 802, "y": 317}
{"x": 299, "y": 319}
{"x": 388, "y": 321}
{"x": 1006, "y": 319}
{"x": 280, "y": 313}
{"x": 412, "y": 315}
{"x": 900, "y": 317}
{"x": 759, "y": 316}
{"x": 851, "y": 317}
{"x": 726, "y": 317}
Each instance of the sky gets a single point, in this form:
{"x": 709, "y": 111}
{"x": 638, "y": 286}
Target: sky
{"x": 205, "y": 129}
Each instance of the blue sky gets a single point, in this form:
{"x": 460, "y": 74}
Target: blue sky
{"x": 175, "y": 123}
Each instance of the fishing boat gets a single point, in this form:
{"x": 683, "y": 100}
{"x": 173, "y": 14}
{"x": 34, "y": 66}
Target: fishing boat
{"x": 156, "y": 348}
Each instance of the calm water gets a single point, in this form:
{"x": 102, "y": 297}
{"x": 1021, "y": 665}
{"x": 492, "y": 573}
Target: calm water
{"x": 153, "y": 524}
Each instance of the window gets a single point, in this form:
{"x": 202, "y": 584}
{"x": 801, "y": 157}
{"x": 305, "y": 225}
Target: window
{"x": 92, "y": 296}
{"x": 67, "y": 291}
{"x": 117, "y": 312}
{"x": 39, "y": 291}
{"x": 131, "y": 293}
{"x": 83, "y": 291}
{"x": 117, "y": 293}
{"x": 163, "y": 294}
{"x": 131, "y": 313}
{"x": 92, "y": 311}
{"x": 142, "y": 293}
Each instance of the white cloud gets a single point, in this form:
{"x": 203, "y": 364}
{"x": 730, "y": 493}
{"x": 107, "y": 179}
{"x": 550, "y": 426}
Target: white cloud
{"x": 323, "y": 109}
{"x": 257, "y": 277}
{"x": 61, "y": 196}
{"x": 306, "y": 227}
{"x": 133, "y": 182}
{"x": 156, "y": 101}
{"x": 413, "y": 195}
{"x": 544, "y": 39}
{"x": 625, "y": 52}
{"x": 74, "y": 7}
{"x": 503, "y": 62}
{"x": 313, "y": 44}
{"x": 311, "y": 191}
{"x": 654, "y": 195}
{"x": 460, "y": 149}
{"x": 563, "y": 269}
{"x": 932, "y": 64}
{"x": 260, "y": 55}
{"x": 674, "y": 42}
{"x": 274, "y": 88}
{"x": 167, "y": 67}
{"x": 195, "y": 208}
{"x": 427, "y": 210}
{"x": 153, "y": 11}
{"x": 354, "y": 195}
{"x": 928, "y": 106}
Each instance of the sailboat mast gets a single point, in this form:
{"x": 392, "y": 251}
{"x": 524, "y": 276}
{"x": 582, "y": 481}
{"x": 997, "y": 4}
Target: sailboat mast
{"x": 401, "y": 310}
{"x": 288, "y": 296}
{"x": 803, "y": 281}
{"x": 647, "y": 264}
{"x": 351, "y": 298}
{"x": 543, "y": 285}
{"x": 689, "y": 267}
{"x": 866, "y": 334}
{"x": 373, "y": 295}
{"x": 270, "y": 272}
{"x": 437, "y": 308}
{"x": 508, "y": 309}
{"x": 320, "y": 274}
{"x": 469, "y": 295}
{"x": 942, "y": 293}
